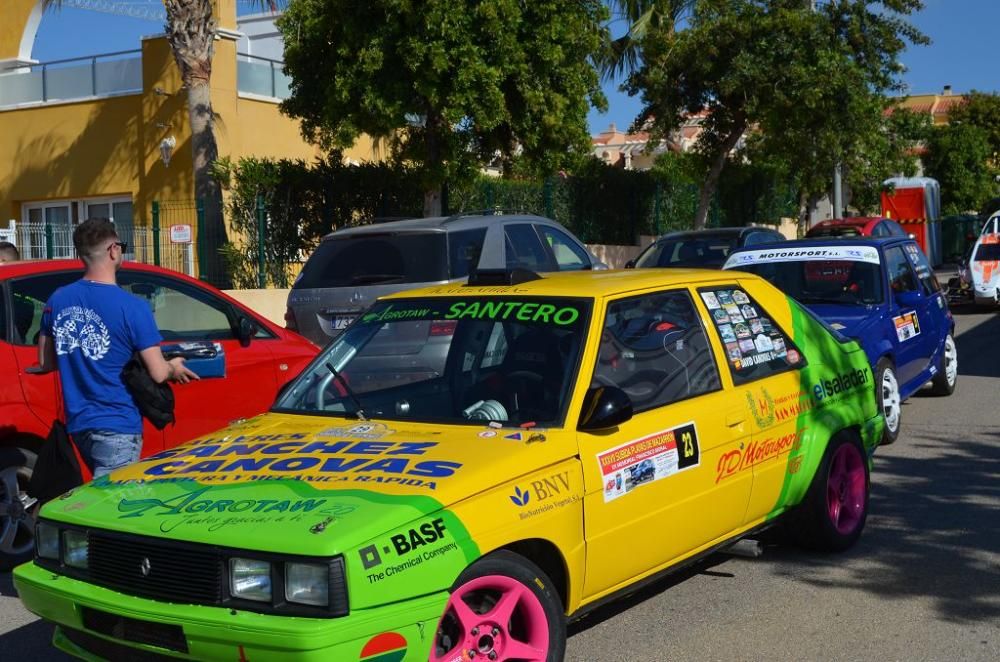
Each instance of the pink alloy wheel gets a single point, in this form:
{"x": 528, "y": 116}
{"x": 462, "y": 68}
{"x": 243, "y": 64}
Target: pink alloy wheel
{"x": 845, "y": 489}
{"x": 493, "y": 618}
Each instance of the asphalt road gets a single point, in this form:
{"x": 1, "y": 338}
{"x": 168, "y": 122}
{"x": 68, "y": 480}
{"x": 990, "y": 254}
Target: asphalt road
{"x": 922, "y": 584}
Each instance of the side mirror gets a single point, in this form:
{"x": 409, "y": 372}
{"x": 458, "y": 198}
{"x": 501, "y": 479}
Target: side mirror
{"x": 630, "y": 264}
{"x": 245, "y": 330}
{"x": 604, "y": 407}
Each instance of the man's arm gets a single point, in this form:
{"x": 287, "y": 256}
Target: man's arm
{"x": 162, "y": 370}
{"x": 46, "y": 356}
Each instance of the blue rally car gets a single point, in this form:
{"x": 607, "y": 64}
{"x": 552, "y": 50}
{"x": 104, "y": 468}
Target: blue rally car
{"x": 881, "y": 293}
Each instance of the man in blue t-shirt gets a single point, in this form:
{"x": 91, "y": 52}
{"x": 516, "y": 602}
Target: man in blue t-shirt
{"x": 90, "y": 329}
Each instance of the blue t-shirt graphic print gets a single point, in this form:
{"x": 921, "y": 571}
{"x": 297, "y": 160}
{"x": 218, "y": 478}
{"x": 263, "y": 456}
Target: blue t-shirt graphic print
{"x": 95, "y": 328}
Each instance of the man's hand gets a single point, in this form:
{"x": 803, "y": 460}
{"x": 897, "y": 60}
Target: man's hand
{"x": 179, "y": 372}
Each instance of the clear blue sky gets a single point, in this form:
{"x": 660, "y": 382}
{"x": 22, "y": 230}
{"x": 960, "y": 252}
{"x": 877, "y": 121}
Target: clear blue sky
{"x": 963, "y": 53}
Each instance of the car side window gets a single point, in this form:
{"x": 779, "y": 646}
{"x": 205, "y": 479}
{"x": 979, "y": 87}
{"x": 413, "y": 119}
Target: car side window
{"x": 755, "y": 238}
{"x": 756, "y": 347}
{"x": 654, "y": 348}
{"x": 464, "y": 249}
{"x": 181, "y": 311}
{"x": 28, "y": 297}
{"x": 923, "y": 268}
{"x": 901, "y": 278}
{"x": 524, "y": 249}
{"x": 880, "y": 230}
{"x": 569, "y": 256}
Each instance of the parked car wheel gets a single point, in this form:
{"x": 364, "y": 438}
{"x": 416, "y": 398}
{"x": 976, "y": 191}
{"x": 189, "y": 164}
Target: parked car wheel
{"x": 17, "y": 516}
{"x": 889, "y": 401}
{"x": 947, "y": 374}
{"x": 502, "y": 607}
{"x": 836, "y": 507}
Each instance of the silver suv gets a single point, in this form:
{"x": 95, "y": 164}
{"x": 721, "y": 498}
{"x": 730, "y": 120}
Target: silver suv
{"x": 353, "y": 267}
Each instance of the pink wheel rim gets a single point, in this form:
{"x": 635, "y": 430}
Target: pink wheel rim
{"x": 845, "y": 489}
{"x": 492, "y": 618}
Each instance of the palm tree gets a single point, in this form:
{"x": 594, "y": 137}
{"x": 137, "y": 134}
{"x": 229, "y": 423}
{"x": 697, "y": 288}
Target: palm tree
{"x": 190, "y": 31}
{"x": 625, "y": 53}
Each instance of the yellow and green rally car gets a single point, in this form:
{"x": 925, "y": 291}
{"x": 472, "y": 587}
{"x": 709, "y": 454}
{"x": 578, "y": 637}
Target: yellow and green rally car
{"x": 466, "y": 467}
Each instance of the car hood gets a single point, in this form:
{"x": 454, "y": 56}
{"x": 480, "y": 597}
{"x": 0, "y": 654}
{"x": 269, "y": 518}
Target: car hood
{"x": 854, "y": 321}
{"x": 307, "y": 484}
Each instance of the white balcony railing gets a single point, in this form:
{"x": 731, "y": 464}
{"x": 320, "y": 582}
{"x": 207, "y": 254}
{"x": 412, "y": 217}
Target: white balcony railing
{"x": 101, "y": 75}
{"x": 262, "y": 77}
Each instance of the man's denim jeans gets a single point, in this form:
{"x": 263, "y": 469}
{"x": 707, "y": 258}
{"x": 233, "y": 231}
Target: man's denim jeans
{"x": 105, "y": 451}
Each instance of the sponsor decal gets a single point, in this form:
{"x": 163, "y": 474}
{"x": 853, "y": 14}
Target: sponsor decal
{"x": 733, "y": 350}
{"x": 385, "y": 647}
{"x": 359, "y": 431}
{"x": 748, "y": 311}
{"x": 516, "y": 436}
{"x": 710, "y": 300}
{"x": 907, "y": 326}
{"x": 725, "y": 297}
{"x": 544, "y": 495}
{"x": 727, "y": 333}
{"x": 793, "y": 357}
{"x": 486, "y": 434}
{"x": 294, "y": 456}
{"x": 193, "y": 508}
{"x": 740, "y": 459}
{"x": 648, "y": 459}
{"x": 841, "y": 383}
{"x": 519, "y": 310}
{"x": 762, "y": 408}
{"x": 405, "y": 550}
{"x": 720, "y": 316}
{"x": 740, "y": 297}
{"x": 388, "y": 314}
{"x": 867, "y": 254}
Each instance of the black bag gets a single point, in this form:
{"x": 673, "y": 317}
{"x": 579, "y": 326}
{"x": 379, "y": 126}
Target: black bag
{"x": 155, "y": 401}
{"x": 56, "y": 469}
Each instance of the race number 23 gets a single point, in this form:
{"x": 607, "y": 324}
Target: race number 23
{"x": 687, "y": 446}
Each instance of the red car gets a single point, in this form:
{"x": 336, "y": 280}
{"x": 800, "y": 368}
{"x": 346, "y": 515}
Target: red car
{"x": 860, "y": 226}
{"x": 260, "y": 358}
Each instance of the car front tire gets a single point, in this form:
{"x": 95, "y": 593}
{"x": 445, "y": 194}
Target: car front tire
{"x": 17, "y": 523}
{"x": 502, "y": 607}
{"x": 889, "y": 401}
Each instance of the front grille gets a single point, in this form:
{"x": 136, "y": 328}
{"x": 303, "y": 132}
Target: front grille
{"x": 110, "y": 650}
{"x": 161, "y": 635}
{"x": 175, "y": 573}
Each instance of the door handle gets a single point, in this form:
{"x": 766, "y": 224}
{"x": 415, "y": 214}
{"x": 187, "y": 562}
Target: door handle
{"x": 735, "y": 417}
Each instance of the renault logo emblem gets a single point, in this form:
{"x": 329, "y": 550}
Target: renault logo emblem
{"x": 144, "y": 567}
{"x": 357, "y": 297}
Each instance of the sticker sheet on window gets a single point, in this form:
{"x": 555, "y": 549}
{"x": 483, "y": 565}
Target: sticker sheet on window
{"x": 750, "y": 337}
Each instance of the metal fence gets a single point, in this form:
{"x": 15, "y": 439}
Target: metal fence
{"x": 172, "y": 247}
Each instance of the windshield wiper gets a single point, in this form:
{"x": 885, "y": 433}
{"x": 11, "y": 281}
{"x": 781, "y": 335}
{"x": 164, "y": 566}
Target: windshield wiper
{"x": 358, "y": 411}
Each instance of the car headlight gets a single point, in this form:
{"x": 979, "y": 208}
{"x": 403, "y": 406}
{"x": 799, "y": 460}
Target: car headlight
{"x": 47, "y": 541}
{"x": 250, "y": 579}
{"x": 307, "y": 584}
{"x": 75, "y": 548}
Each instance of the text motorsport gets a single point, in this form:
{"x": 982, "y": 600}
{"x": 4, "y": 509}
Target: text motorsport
{"x": 293, "y": 456}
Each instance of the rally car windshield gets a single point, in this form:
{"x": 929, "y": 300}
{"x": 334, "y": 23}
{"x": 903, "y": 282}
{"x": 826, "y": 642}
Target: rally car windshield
{"x": 987, "y": 253}
{"x": 478, "y": 360}
{"x": 823, "y": 281}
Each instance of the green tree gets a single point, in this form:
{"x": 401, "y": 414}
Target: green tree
{"x": 957, "y": 156}
{"x": 446, "y": 85}
{"x": 981, "y": 109}
{"x": 797, "y": 88}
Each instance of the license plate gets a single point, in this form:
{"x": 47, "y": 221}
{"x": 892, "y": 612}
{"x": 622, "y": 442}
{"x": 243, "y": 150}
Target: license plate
{"x": 341, "y": 322}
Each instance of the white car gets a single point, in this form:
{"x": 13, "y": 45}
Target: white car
{"x": 984, "y": 264}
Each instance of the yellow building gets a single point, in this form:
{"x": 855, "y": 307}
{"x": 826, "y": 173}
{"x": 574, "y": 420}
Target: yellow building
{"x": 91, "y": 136}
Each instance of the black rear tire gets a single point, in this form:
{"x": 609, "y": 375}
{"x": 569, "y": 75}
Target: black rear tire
{"x": 16, "y": 467}
{"x": 833, "y": 514}
{"x": 941, "y": 384}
